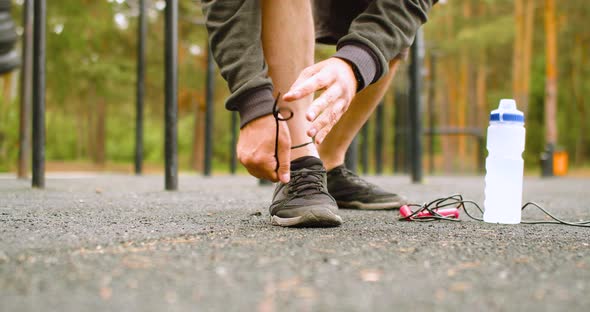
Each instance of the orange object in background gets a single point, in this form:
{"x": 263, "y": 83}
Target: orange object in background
{"x": 560, "y": 160}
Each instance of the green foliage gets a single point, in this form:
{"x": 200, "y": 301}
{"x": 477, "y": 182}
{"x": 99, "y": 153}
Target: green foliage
{"x": 9, "y": 118}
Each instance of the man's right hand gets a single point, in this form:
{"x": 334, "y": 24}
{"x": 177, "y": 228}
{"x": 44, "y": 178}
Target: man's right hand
{"x": 256, "y": 149}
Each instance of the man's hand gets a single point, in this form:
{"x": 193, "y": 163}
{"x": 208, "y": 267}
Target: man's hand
{"x": 256, "y": 149}
{"x": 337, "y": 79}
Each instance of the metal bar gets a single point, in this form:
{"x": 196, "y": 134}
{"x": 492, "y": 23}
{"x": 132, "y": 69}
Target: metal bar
{"x": 365, "y": 148}
{"x": 454, "y": 131}
{"x": 141, "y": 39}
{"x": 171, "y": 88}
{"x": 351, "y": 157}
{"x": 210, "y": 89}
{"x": 415, "y": 108}
{"x": 26, "y": 86}
{"x": 379, "y": 115}
{"x": 39, "y": 25}
{"x": 233, "y": 165}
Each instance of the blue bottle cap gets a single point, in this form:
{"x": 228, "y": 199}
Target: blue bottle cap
{"x": 507, "y": 112}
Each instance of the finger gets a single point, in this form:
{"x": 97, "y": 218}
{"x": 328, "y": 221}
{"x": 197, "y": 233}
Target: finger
{"x": 262, "y": 169}
{"x": 327, "y": 121}
{"x": 265, "y": 175}
{"x": 316, "y": 82}
{"x": 305, "y": 74}
{"x": 327, "y": 98}
{"x": 284, "y": 155}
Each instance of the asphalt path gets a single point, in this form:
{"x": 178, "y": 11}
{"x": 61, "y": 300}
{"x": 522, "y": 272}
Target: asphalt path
{"x": 121, "y": 243}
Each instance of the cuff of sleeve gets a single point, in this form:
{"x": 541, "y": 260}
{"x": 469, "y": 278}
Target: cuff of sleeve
{"x": 255, "y": 103}
{"x": 364, "y": 60}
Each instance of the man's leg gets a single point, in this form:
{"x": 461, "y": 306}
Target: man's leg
{"x": 349, "y": 190}
{"x": 334, "y": 147}
{"x": 288, "y": 43}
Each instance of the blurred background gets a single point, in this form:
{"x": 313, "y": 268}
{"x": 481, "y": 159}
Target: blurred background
{"x": 475, "y": 53}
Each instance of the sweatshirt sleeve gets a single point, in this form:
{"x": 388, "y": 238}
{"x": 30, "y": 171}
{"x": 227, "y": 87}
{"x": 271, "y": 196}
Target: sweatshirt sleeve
{"x": 379, "y": 34}
{"x": 234, "y": 28}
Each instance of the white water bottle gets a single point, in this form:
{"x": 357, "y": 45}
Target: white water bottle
{"x": 504, "y": 164}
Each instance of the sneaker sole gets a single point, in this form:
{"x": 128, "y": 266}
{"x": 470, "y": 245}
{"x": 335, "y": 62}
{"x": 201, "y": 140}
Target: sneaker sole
{"x": 316, "y": 217}
{"x": 370, "y": 206}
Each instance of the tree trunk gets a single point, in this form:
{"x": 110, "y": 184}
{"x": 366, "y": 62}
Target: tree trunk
{"x": 463, "y": 94}
{"x": 550, "y": 73}
{"x": 82, "y": 128}
{"x": 91, "y": 129}
{"x": 578, "y": 97}
{"x": 529, "y": 11}
{"x": 517, "y": 56}
{"x": 101, "y": 132}
{"x": 451, "y": 156}
{"x": 198, "y": 137}
{"x": 481, "y": 87}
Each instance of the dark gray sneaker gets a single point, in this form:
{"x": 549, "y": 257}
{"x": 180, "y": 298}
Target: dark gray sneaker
{"x": 351, "y": 191}
{"x": 304, "y": 201}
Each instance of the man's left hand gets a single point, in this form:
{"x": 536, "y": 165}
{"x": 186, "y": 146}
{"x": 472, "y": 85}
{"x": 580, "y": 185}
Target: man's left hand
{"x": 336, "y": 78}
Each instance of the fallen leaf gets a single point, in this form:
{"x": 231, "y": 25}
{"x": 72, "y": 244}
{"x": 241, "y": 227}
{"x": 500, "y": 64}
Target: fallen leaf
{"x": 460, "y": 287}
{"x": 106, "y": 293}
{"x": 469, "y": 265}
{"x": 370, "y": 275}
{"x": 439, "y": 294}
{"x": 522, "y": 260}
{"x": 306, "y": 292}
{"x": 137, "y": 262}
{"x": 288, "y": 284}
{"x": 540, "y": 294}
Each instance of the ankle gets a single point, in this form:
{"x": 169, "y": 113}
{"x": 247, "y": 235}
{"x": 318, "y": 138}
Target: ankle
{"x": 309, "y": 150}
{"x": 329, "y": 165}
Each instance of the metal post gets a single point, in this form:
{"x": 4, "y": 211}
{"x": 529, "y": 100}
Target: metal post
{"x": 210, "y": 89}
{"x": 233, "y": 165}
{"x": 171, "y": 104}
{"x": 415, "y": 108}
{"x": 365, "y": 148}
{"x": 351, "y": 158}
{"x": 379, "y": 116}
{"x": 26, "y": 91}
{"x": 39, "y": 93}
{"x": 141, "y": 38}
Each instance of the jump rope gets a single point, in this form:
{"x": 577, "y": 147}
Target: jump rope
{"x": 441, "y": 209}
{"x": 438, "y": 209}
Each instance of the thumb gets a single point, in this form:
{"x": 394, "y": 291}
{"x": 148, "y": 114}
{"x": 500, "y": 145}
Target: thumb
{"x": 284, "y": 154}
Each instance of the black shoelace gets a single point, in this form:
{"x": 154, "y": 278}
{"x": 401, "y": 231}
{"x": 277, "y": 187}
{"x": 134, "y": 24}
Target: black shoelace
{"x": 306, "y": 182}
{"x": 275, "y": 113}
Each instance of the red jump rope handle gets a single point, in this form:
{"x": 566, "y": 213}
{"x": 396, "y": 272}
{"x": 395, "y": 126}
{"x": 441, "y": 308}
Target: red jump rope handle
{"x": 405, "y": 212}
